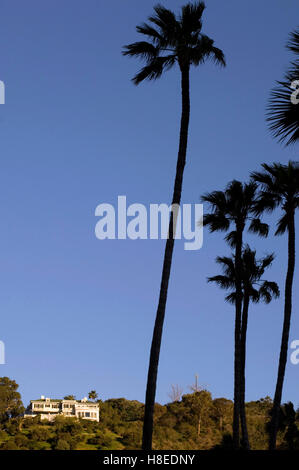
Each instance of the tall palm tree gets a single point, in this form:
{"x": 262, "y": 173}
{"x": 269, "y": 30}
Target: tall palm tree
{"x": 280, "y": 188}
{"x": 283, "y": 112}
{"x": 254, "y": 289}
{"x": 171, "y": 40}
{"x": 234, "y": 206}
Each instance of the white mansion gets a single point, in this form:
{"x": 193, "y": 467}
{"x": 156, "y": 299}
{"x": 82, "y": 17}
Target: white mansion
{"x": 48, "y": 408}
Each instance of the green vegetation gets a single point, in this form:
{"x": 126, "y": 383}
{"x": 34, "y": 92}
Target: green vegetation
{"x": 195, "y": 422}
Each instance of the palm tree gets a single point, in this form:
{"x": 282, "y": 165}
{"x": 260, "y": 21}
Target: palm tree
{"x": 283, "y": 112}
{"x": 92, "y": 395}
{"x": 254, "y": 289}
{"x": 234, "y": 206}
{"x": 172, "y": 40}
{"x": 280, "y": 188}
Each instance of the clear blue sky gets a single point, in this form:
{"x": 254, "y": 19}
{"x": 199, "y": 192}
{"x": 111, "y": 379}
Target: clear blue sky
{"x": 77, "y": 313}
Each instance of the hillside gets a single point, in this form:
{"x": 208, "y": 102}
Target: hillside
{"x": 195, "y": 422}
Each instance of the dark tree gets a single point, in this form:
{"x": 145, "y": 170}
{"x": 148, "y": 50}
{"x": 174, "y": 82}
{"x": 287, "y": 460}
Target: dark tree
{"x": 172, "y": 40}
{"x": 280, "y": 188}
{"x": 234, "y": 206}
{"x": 254, "y": 289}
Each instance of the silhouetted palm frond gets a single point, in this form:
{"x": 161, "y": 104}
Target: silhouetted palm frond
{"x": 293, "y": 44}
{"x": 236, "y": 204}
{"x": 216, "y": 222}
{"x": 256, "y": 226}
{"x": 190, "y": 17}
{"x": 283, "y": 106}
{"x": 231, "y": 238}
{"x": 222, "y": 281}
{"x": 154, "y": 69}
{"x": 142, "y": 49}
{"x": 279, "y": 187}
{"x": 173, "y": 39}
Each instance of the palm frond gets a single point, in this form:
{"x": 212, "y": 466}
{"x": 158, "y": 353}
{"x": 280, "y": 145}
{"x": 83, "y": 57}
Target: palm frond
{"x": 231, "y": 238}
{"x": 151, "y": 32}
{"x": 224, "y": 282}
{"x": 266, "y": 202}
{"x": 191, "y": 17}
{"x": 256, "y": 226}
{"x": 231, "y": 298}
{"x": 216, "y": 199}
{"x": 282, "y": 225}
{"x": 264, "y": 178}
{"x": 142, "y": 49}
{"x": 216, "y": 222}
{"x": 280, "y": 187}
{"x": 205, "y": 50}
{"x": 167, "y": 23}
{"x": 293, "y": 44}
{"x": 268, "y": 290}
{"x": 254, "y": 295}
{"x": 267, "y": 261}
{"x": 282, "y": 112}
{"x": 228, "y": 265}
{"x": 154, "y": 69}
{"x": 272, "y": 288}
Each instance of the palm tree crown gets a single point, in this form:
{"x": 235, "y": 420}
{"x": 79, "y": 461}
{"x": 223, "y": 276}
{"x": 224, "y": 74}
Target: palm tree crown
{"x": 279, "y": 188}
{"x": 173, "y": 39}
{"x": 233, "y": 206}
{"x": 252, "y": 272}
{"x": 282, "y": 112}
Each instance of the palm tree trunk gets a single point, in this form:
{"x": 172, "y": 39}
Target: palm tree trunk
{"x": 237, "y": 359}
{"x": 245, "y": 438}
{"x": 157, "y": 334}
{"x": 285, "y": 332}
